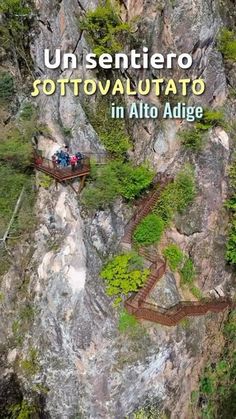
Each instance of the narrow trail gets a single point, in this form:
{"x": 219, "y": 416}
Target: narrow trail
{"x": 137, "y": 304}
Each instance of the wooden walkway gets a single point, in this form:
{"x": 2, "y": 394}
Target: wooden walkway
{"x": 61, "y": 174}
{"x": 137, "y": 304}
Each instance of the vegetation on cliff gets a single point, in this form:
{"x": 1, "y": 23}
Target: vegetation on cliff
{"x": 124, "y": 274}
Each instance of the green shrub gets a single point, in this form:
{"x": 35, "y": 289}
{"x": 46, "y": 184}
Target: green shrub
{"x": 188, "y": 272}
{"x": 30, "y": 366}
{"x": 192, "y": 139}
{"x": 211, "y": 118}
{"x": 127, "y": 322}
{"x": 133, "y": 179}
{"x": 115, "y": 179}
{"x": 218, "y": 382}
{"x": 16, "y": 148}
{"x": 176, "y": 196}
{"x": 124, "y": 274}
{"x": 231, "y": 243}
{"x": 44, "y": 180}
{"x": 23, "y": 410}
{"x": 174, "y": 256}
{"x": 149, "y": 231}
{"x": 227, "y": 44}
{"x": 112, "y": 132}
{"x": 231, "y": 205}
{"x": 27, "y": 112}
{"x": 105, "y": 30}
{"x": 196, "y": 292}
{"x": 6, "y": 86}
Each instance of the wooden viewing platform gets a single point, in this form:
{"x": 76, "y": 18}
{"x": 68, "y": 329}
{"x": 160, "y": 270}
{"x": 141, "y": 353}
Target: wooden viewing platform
{"x": 59, "y": 173}
{"x": 65, "y": 174}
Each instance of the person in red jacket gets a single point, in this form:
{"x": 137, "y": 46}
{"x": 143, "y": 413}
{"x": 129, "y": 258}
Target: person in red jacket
{"x": 73, "y": 162}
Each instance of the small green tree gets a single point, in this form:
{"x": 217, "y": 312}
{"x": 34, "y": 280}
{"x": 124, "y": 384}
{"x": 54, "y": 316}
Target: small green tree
{"x": 227, "y": 44}
{"x": 23, "y": 410}
{"x": 127, "y": 322}
{"x": 149, "y": 231}
{"x": 105, "y": 31}
{"x": 124, "y": 274}
{"x": 188, "y": 271}
{"x": 6, "y": 87}
{"x": 192, "y": 139}
{"x": 133, "y": 179}
{"x": 174, "y": 256}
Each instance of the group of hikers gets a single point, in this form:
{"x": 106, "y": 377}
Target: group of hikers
{"x": 62, "y": 158}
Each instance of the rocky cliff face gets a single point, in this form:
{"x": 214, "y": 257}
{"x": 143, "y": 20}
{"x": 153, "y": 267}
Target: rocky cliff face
{"x": 87, "y": 367}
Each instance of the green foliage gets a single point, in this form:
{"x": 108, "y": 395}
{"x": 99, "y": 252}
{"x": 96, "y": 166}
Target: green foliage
{"x": 151, "y": 412}
{"x": 103, "y": 190}
{"x": 231, "y": 243}
{"x": 127, "y": 322}
{"x": 67, "y": 131}
{"x": 105, "y": 30}
{"x": 231, "y": 205}
{"x": 196, "y": 292}
{"x": 149, "y": 231}
{"x": 218, "y": 383}
{"x": 11, "y": 183}
{"x": 211, "y": 118}
{"x": 44, "y": 181}
{"x": 23, "y": 410}
{"x": 115, "y": 179}
{"x": 178, "y": 261}
{"x": 30, "y": 366}
{"x": 191, "y": 139}
{"x": 15, "y": 26}
{"x": 227, "y": 44}
{"x": 174, "y": 256}
{"x": 188, "y": 272}
{"x": 124, "y": 274}
{"x": 14, "y": 7}
{"x": 133, "y": 179}
{"x": 177, "y": 196}
{"x": 112, "y": 132}
{"x": 16, "y": 149}
{"x": 27, "y": 112}
{"x": 6, "y": 87}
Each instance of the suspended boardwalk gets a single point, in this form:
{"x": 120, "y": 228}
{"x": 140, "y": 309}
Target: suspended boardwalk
{"x": 65, "y": 174}
{"x": 137, "y": 304}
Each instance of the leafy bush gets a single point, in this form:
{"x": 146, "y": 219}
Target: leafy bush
{"x": 112, "y": 132}
{"x": 191, "y": 139}
{"x": 218, "y": 383}
{"x": 211, "y": 118}
{"x": 185, "y": 188}
{"x": 16, "y": 148}
{"x": 227, "y": 44}
{"x": 30, "y": 365}
{"x": 105, "y": 31}
{"x": 23, "y": 410}
{"x": 174, "y": 256}
{"x": 176, "y": 196}
{"x": 188, "y": 272}
{"x": 115, "y": 179}
{"x": 124, "y": 274}
{"x": 231, "y": 204}
{"x": 15, "y": 24}
{"x": 27, "y": 112}
{"x": 127, "y": 321}
{"x": 6, "y": 86}
{"x": 149, "y": 230}
{"x": 133, "y": 179}
{"x": 231, "y": 243}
